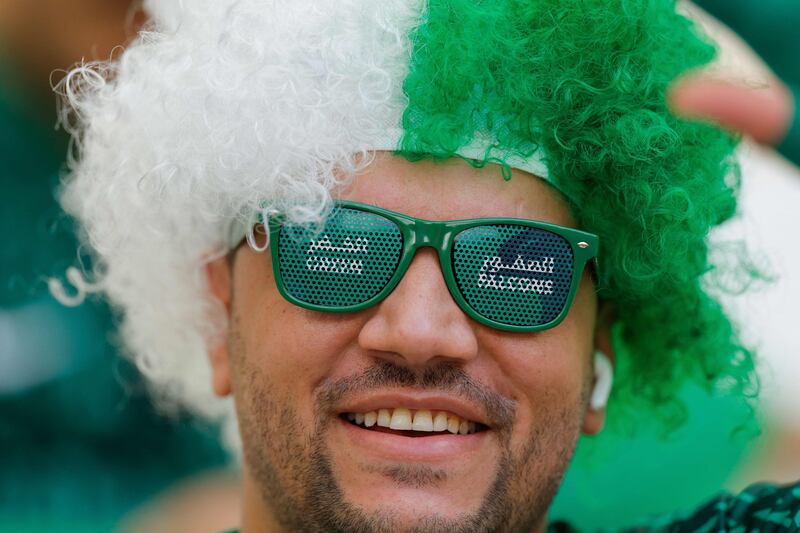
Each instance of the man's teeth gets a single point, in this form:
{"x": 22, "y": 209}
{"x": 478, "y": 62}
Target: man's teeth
{"x": 420, "y": 420}
{"x": 401, "y": 419}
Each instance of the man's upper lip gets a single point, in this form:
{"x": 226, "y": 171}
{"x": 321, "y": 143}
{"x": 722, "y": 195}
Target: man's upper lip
{"x": 433, "y": 401}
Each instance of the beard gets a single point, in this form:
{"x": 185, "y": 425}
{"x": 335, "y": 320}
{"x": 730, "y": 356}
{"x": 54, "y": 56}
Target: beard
{"x": 291, "y": 466}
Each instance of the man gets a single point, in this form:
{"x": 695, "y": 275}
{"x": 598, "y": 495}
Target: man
{"x": 411, "y": 240}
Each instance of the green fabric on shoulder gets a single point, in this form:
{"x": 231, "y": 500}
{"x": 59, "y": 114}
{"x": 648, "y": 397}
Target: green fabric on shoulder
{"x": 761, "y": 507}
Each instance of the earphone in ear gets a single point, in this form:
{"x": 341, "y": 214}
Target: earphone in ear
{"x": 604, "y": 379}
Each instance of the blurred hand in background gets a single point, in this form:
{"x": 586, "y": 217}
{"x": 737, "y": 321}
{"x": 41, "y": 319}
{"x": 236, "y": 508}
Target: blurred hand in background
{"x": 766, "y": 112}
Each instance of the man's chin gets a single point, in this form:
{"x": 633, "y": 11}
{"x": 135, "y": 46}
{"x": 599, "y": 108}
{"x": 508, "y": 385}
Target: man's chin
{"x": 400, "y": 518}
{"x": 408, "y": 508}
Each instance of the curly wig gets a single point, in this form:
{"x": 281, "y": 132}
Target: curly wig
{"x": 221, "y": 107}
{"x": 585, "y": 81}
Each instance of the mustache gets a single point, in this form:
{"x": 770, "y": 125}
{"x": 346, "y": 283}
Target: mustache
{"x": 445, "y": 377}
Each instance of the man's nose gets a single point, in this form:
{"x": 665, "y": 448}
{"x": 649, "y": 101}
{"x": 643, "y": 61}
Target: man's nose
{"x": 419, "y": 322}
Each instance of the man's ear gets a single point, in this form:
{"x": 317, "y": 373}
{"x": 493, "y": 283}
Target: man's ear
{"x": 218, "y": 276}
{"x": 603, "y": 366}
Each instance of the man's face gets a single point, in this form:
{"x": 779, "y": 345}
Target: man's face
{"x": 296, "y": 374}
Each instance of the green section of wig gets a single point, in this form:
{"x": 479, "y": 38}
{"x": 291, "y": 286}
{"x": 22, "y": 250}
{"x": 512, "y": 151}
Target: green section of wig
{"x": 585, "y": 80}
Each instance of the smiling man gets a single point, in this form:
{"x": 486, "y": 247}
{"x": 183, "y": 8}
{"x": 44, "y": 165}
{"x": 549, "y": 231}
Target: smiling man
{"x": 405, "y": 243}
{"x": 412, "y": 414}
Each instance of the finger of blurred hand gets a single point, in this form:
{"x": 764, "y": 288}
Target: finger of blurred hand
{"x": 764, "y": 114}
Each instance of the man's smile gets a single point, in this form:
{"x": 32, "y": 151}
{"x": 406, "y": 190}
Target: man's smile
{"x": 418, "y": 427}
{"x": 414, "y": 423}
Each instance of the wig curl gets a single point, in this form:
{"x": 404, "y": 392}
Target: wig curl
{"x": 223, "y": 106}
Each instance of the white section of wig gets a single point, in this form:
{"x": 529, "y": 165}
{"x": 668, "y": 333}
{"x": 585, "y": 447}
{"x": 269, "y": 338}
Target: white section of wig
{"x": 219, "y": 108}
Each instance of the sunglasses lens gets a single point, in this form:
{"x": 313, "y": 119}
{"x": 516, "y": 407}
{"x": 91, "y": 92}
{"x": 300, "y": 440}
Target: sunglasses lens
{"x": 345, "y": 264}
{"x": 514, "y": 275}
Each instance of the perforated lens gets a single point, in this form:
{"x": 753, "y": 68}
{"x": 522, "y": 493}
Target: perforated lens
{"x": 515, "y": 275}
{"x": 348, "y": 262}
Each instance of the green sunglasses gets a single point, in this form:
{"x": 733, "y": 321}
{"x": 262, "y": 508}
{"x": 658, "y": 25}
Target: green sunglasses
{"x": 510, "y": 274}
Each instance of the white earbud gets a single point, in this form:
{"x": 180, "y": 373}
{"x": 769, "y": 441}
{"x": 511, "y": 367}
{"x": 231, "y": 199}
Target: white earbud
{"x": 604, "y": 379}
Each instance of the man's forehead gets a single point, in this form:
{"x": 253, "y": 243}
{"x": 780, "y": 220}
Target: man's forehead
{"x": 453, "y": 189}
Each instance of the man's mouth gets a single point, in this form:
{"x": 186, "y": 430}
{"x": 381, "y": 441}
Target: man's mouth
{"x": 431, "y": 427}
{"x": 413, "y": 422}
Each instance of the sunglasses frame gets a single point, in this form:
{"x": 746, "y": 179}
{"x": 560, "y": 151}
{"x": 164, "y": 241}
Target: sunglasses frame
{"x": 440, "y": 235}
